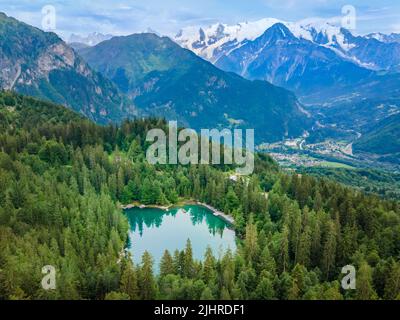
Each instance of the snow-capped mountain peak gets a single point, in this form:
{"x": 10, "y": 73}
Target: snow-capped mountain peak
{"x": 375, "y": 51}
{"x": 91, "y": 39}
{"x": 387, "y": 38}
{"x": 204, "y": 41}
{"x": 329, "y": 35}
{"x": 210, "y": 42}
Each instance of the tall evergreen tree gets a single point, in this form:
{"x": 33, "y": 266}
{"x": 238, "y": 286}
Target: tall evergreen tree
{"x": 166, "y": 264}
{"x": 364, "y": 286}
{"x": 147, "y": 284}
{"x": 329, "y": 249}
{"x": 188, "y": 265}
{"x": 129, "y": 282}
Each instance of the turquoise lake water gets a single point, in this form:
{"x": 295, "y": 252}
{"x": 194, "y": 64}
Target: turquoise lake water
{"x": 156, "y": 230}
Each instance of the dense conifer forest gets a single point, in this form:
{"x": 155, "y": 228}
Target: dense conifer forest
{"x": 63, "y": 178}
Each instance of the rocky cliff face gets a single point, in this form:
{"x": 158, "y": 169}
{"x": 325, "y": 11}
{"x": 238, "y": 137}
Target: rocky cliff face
{"x": 40, "y": 64}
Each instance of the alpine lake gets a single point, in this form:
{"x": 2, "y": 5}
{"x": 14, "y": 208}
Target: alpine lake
{"x": 156, "y": 230}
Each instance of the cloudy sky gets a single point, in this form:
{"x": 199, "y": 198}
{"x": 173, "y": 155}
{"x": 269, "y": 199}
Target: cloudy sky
{"x": 168, "y": 16}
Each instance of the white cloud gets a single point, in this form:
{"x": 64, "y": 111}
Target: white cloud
{"x": 396, "y": 28}
{"x": 168, "y": 16}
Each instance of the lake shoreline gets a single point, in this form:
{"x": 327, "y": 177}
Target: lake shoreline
{"x": 227, "y": 218}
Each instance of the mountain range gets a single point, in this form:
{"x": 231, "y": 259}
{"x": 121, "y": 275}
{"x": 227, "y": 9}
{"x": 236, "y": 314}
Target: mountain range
{"x": 306, "y": 57}
{"x": 163, "y": 79}
{"x": 89, "y": 40}
{"x": 37, "y": 63}
{"x": 143, "y": 75}
{"x": 349, "y": 83}
{"x": 388, "y": 38}
{"x": 294, "y": 63}
{"x": 372, "y": 51}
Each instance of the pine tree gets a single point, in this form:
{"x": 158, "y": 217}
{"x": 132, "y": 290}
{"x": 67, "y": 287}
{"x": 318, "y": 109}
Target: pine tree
{"x": 206, "y": 294}
{"x": 208, "y": 274}
{"x": 178, "y": 264}
{"x": 316, "y": 251}
{"x": 284, "y": 250}
{"x": 188, "y": 266}
{"x": 129, "y": 282}
{"x": 331, "y": 292}
{"x": 228, "y": 272}
{"x": 265, "y": 289}
{"x": 392, "y": 286}
{"x": 329, "y": 250}
{"x": 317, "y": 202}
{"x": 135, "y": 151}
{"x": 225, "y": 294}
{"x": 267, "y": 262}
{"x": 284, "y": 285}
{"x": 120, "y": 183}
{"x": 251, "y": 248}
{"x": 232, "y": 201}
{"x": 294, "y": 230}
{"x": 299, "y": 276}
{"x": 304, "y": 252}
{"x": 364, "y": 288}
{"x": 294, "y": 291}
{"x": 147, "y": 284}
{"x": 166, "y": 264}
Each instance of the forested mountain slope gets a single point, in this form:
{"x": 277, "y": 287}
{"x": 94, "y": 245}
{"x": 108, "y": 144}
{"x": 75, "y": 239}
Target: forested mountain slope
{"x": 40, "y": 64}
{"x": 383, "y": 139}
{"x": 61, "y": 178}
{"x": 168, "y": 81}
